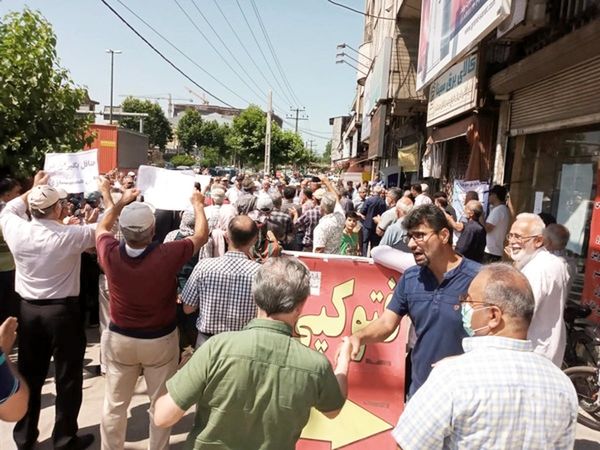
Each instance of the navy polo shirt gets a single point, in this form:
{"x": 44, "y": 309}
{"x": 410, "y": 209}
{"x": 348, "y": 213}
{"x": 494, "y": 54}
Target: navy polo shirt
{"x": 434, "y": 310}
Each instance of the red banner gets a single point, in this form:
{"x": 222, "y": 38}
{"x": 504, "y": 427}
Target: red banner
{"x": 591, "y": 286}
{"x": 346, "y": 295}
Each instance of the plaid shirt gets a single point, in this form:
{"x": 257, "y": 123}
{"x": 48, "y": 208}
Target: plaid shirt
{"x": 499, "y": 394}
{"x": 281, "y": 226}
{"x": 221, "y": 289}
{"x": 309, "y": 220}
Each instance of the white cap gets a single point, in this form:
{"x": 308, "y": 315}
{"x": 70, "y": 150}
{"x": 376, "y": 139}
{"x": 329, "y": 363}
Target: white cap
{"x": 43, "y": 196}
{"x": 62, "y": 194}
{"x": 264, "y": 203}
{"x": 137, "y": 216}
{"x": 424, "y": 187}
{"x": 131, "y": 174}
{"x": 319, "y": 193}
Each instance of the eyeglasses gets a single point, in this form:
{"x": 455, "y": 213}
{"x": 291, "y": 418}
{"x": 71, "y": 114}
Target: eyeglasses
{"x": 466, "y": 298}
{"x": 519, "y": 238}
{"x": 418, "y": 236}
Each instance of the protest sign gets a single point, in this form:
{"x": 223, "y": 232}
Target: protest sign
{"x": 460, "y": 190}
{"x": 346, "y": 295}
{"x": 73, "y": 172}
{"x": 166, "y": 189}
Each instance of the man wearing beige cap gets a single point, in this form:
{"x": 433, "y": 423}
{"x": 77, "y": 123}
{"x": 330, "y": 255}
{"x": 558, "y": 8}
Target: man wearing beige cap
{"x": 142, "y": 285}
{"x": 48, "y": 260}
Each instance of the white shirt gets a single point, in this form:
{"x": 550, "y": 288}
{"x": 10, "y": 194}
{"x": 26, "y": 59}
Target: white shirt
{"x": 549, "y": 279}
{"x": 47, "y": 253}
{"x": 328, "y": 233}
{"x": 500, "y": 218}
{"x": 422, "y": 199}
{"x": 232, "y": 194}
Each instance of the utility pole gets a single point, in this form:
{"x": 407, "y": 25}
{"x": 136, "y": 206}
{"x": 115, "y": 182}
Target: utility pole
{"x": 310, "y": 144}
{"x": 297, "y": 116}
{"x": 268, "y": 134}
{"x": 112, "y": 66}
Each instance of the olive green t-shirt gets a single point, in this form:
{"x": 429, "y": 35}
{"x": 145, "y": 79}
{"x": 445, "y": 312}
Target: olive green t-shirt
{"x": 254, "y": 389}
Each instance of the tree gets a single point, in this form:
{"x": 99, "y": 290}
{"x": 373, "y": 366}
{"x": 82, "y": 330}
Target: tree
{"x": 38, "y": 99}
{"x": 156, "y": 125}
{"x": 182, "y": 160}
{"x": 326, "y": 156}
{"x": 248, "y": 136}
{"x": 209, "y": 138}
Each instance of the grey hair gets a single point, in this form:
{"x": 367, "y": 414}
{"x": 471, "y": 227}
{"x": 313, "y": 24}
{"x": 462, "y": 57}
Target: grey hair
{"x": 42, "y": 213}
{"x": 328, "y": 203}
{"x": 557, "y": 234}
{"x": 137, "y": 237}
{"x": 536, "y": 222}
{"x": 218, "y": 195}
{"x": 280, "y": 285}
{"x": 510, "y": 290}
{"x": 405, "y": 204}
{"x": 277, "y": 200}
{"x": 476, "y": 208}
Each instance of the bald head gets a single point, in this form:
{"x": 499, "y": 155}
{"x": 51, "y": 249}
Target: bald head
{"x": 475, "y": 208}
{"x": 556, "y": 237}
{"x": 507, "y": 288}
{"x": 242, "y": 232}
{"x": 403, "y": 206}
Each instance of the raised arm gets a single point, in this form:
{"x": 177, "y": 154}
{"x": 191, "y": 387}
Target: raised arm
{"x": 200, "y": 236}
{"x": 111, "y": 215}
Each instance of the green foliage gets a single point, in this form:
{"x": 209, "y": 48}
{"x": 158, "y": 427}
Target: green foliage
{"x": 156, "y": 125}
{"x": 326, "y": 156}
{"x": 209, "y": 139}
{"x": 38, "y": 100}
{"x": 183, "y": 160}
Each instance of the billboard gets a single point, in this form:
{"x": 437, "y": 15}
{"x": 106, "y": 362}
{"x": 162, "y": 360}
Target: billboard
{"x": 376, "y": 85}
{"x": 346, "y": 295}
{"x": 450, "y": 28}
{"x": 454, "y": 92}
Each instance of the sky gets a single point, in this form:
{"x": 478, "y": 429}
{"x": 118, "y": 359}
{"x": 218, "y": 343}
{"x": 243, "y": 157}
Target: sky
{"x": 304, "y": 35}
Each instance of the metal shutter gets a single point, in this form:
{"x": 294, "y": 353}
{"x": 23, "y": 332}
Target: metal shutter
{"x": 566, "y": 99}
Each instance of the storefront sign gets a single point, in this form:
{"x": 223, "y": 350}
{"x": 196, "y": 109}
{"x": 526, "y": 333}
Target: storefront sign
{"x": 73, "y": 172}
{"x": 451, "y": 28}
{"x": 591, "y": 284}
{"x": 377, "y": 133}
{"x": 346, "y": 295}
{"x": 408, "y": 158}
{"x": 376, "y": 85}
{"x": 454, "y": 92}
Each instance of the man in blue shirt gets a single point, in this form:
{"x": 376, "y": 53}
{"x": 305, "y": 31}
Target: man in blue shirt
{"x": 429, "y": 293}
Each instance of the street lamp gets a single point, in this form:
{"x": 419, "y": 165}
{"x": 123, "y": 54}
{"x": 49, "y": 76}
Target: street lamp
{"x": 112, "y": 64}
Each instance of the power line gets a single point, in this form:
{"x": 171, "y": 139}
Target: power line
{"x": 261, "y": 50}
{"x": 260, "y": 96}
{"x": 273, "y": 53}
{"x": 341, "y": 5}
{"x": 237, "y": 36}
{"x": 163, "y": 56}
{"x": 180, "y": 52}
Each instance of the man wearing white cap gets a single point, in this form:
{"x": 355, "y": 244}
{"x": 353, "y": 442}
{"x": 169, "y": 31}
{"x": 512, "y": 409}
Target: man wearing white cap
{"x": 142, "y": 285}
{"x": 48, "y": 260}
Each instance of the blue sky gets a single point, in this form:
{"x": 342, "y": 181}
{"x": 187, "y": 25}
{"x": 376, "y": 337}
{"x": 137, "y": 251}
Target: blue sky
{"x": 304, "y": 34}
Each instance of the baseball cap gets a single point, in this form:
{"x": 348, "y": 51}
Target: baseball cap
{"x": 62, "y": 194}
{"x": 131, "y": 174}
{"x": 43, "y": 196}
{"x": 264, "y": 203}
{"x": 137, "y": 216}
{"x": 319, "y": 193}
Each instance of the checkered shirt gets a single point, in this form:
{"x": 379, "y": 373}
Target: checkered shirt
{"x": 328, "y": 234}
{"x": 309, "y": 220}
{"x": 222, "y": 290}
{"x": 498, "y": 395}
{"x": 281, "y": 225}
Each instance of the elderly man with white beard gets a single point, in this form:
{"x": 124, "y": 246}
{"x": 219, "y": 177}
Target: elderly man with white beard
{"x": 549, "y": 279}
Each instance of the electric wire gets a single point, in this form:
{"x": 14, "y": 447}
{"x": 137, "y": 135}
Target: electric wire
{"x": 273, "y": 53}
{"x": 185, "y": 75}
{"x": 178, "y": 50}
{"x": 341, "y": 5}
{"x": 261, "y": 51}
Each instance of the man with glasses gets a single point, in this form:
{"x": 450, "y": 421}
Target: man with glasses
{"x": 428, "y": 293}
{"x": 549, "y": 279}
{"x": 499, "y": 394}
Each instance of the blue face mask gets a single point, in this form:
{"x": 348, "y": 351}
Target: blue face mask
{"x": 467, "y": 311}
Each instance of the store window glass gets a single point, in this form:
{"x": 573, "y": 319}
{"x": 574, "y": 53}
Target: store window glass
{"x": 555, "y": 173}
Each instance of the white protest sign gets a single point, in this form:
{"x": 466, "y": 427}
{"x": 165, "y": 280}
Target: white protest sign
{"x": 166, "y": 189}
{"x": 74, "y": 172}
{"x": 460, "y": 192}
{"x": 204, "y": 181}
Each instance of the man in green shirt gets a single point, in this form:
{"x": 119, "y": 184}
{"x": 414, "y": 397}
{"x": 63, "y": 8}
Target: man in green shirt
{"x": 254, "y": 388}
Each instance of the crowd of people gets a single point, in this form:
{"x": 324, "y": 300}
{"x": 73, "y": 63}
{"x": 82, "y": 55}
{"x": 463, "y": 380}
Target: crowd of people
{"x": 487, "y": 337}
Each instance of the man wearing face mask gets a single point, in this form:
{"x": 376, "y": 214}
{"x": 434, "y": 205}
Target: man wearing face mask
{"x": 499, "y": 394}
{"x": 549, "y": 279}
{"x": 428, "y": 293}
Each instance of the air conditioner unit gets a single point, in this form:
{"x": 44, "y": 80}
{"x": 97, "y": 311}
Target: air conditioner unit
{"x": 526, "y": 17}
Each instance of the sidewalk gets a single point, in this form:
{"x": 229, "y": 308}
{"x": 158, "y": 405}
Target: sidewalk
{"x": 137, "y": 426}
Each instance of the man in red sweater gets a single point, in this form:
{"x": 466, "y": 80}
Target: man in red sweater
{"x": 142, "y": 334}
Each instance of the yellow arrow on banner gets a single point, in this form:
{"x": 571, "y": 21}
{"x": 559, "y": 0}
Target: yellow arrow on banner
{"x": 351, "y": 425}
